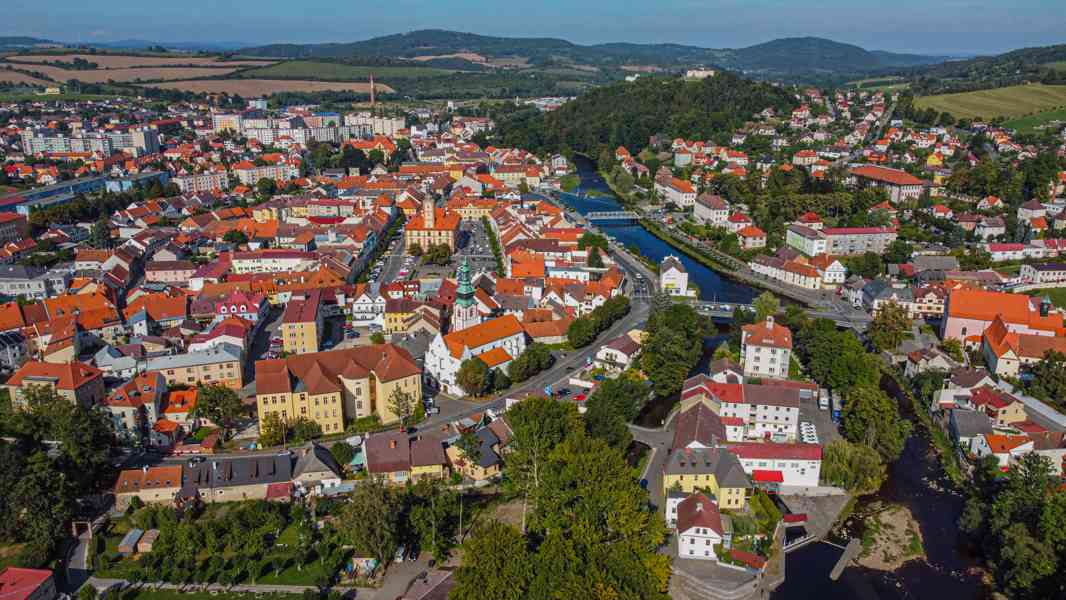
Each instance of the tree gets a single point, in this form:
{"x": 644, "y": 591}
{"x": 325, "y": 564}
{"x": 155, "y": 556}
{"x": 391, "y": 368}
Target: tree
{"x": 272, "y": 430}
{"x": 595, "y": 261}
{"x": 898, "y": 252}
{"x": 591, "y": 240}
{"x": 953, "y": 348}
{"x": 1049, "y": 377}
{"x": 101, "y": 233}
{"x": 266, "y": 187}
{"x": 219, "y": 404}
{"x": 868, "y": 265}
{"x": 304, "y": 430}
{"x": 581, "y": 332}
{"x": 473, "y": 376}
{"x": 496, "y": 564}
{"x": 889, "y": 327}
{"x": 855, "y": 467}
{"x": 236, "y": 237}
{"x": 370, "y": 520}
{"x": 470, "y": 445}
{"x": 415, "y": 250}
{"x": 87, "y": 592}
{"x": 402, "y": 406}
{"x": 439, "y": 254}
{"x": 872, "y": 418}
{"x": 377, "y": 337}
{"x": 538, "y": 424}
{"x": 434, "y": 516}
{"x": 611, "y": 407}
{"x": 343, "y": 453}
{"x": 766, "y": 305}
{"x": 672, "y": 347}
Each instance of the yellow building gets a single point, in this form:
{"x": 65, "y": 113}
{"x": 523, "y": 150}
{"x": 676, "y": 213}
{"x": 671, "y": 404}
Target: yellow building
{"x": 302, "y": 324}
{"x": 713, "y": 470}
{"x": 329, "y": 387}
{"x": 433, "y": 227}
{"x": 397, "y": 311}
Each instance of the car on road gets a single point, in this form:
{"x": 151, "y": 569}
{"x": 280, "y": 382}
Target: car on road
{"x": 563, "y": 392}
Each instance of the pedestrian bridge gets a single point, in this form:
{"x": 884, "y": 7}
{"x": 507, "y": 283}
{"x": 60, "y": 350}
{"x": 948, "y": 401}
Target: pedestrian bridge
{"x": 721, "y": 310}
{"x": 612, "y": 215}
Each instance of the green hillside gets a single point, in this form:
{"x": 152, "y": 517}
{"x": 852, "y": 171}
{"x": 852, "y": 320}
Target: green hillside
{"x": 628, "y": 114}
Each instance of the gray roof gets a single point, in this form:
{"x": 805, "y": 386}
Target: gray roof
{"x": 316, "y": 459}
{"x": 934, "y": 263}
{"x": 671, "y": 262}
{"x": 231, "y": 472}
{"x": 19, "y": 272}
{"x": 725, "y": 466}
{"x": 970, "y": 423}
{"x": 218, "y": 354}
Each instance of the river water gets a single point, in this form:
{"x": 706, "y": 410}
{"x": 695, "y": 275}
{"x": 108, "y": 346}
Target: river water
{"x": 915, "y": 480}
{"x": 712, "y": 286}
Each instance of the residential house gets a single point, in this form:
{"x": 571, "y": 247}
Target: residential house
{"x": 673, "y": 277}
{"x": 74, "y": 381}
{"x": 766, "y": 349}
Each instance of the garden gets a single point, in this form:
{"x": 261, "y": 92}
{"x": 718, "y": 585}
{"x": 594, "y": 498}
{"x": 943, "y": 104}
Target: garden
{"x": 254, "y": 542}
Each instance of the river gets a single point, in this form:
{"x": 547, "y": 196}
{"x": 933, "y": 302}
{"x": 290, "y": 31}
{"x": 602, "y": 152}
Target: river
{"x": 712, "y": 286}
{"x": 915, "y": 480}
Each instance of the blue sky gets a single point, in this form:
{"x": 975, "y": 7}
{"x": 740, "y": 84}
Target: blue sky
{"x": 930, "y": 26}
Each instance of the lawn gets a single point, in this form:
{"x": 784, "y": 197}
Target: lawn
{"x": 1057, "y": 295}
{"x": 328, "y": 71}
{"x": 150, "y": 594}
{"x": 1032, "y": 122}
{"x": 1011, "y": 102}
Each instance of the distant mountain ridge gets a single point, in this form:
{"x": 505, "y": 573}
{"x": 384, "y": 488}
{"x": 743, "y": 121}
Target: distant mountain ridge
{"x": 782, "y": 56}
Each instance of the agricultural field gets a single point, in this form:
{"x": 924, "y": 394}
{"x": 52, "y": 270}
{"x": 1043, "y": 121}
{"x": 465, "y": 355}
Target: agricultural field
{"x": 329, "y": 71}
{"x": 123, "y": 61}
{"x": 264, "y": 87}
{"x": 15, "y": 77}
{"x": 1033, "y": 123}
{"x": 124, "y": 75}
{"x": 1011, "y": 102}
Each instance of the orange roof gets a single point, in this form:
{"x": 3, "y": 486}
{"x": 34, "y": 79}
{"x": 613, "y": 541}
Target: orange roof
{"x": 135, "y": 480}
{"x": 495, "y": 357}
{"x": 67, "y": 376}
{"x": 482, "y": 334}
{"x": 1001, "y": 444}
{"x": 180, "y": 401}
{"x": 984, "y": 305}
{"x": 752, "y": 232}
{"x": 768, "y": 333}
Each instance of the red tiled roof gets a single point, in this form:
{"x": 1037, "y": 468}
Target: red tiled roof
{"x": 886, "y": 175}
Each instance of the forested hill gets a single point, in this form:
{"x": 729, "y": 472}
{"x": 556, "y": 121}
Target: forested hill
{"x": 788, "y": 58}
{"x": 1045, "y": 64}
{"x": 627, "y": 114}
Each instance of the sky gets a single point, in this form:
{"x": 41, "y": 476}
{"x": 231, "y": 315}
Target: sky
{"x": 922, "y": 26}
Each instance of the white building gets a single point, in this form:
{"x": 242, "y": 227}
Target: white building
{"x": 766, "y": 349}
{"x": 673, "y": 278}
{"x": 497, "y": 342}
{"x": 678, "y": 191}
{"x": 809, "y": 242}
{"x": 780, "y": 467}
{"x": 711, "y": 209}
{"x": 202, "y": 182}
{"x": 700, "y": 528}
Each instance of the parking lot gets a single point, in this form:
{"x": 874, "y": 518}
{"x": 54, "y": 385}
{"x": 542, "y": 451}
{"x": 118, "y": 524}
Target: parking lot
{"x": 474, "y": 246}
{"x": 388, "y": 267}
{"x": 816, "y": 425}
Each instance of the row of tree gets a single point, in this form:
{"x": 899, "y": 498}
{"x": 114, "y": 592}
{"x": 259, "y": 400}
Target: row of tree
{"x": 584, "y": 330}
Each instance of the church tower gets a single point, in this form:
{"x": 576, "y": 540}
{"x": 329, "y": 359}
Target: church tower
{"x": 464, "y": 312}
{"x": 429, "y": 212}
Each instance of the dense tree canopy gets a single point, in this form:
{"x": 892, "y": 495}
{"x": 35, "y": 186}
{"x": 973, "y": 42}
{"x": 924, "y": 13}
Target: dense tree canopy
{"x": 629, "y": 114}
